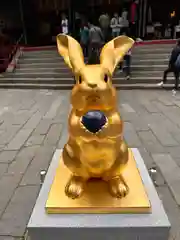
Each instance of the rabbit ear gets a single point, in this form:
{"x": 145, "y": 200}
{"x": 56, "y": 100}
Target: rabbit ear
{"x": 114, "y": 51}
{"x": 71, "y": 51}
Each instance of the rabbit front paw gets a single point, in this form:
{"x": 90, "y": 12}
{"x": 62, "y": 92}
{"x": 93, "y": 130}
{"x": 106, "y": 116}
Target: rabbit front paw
{"x": 118, "y": 187}
{"x": 75, "y": 187}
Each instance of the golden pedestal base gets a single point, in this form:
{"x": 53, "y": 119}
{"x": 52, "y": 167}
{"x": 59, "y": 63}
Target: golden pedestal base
{"x": 96, "y": 198}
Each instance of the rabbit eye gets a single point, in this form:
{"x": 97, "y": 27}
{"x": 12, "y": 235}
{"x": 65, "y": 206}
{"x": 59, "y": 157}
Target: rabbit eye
{"x": 106, "y": 78}
{"x": 80, "y": 79}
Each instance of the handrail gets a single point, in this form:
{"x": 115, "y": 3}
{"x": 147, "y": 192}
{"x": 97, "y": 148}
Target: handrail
{"x": 11, "y": 54}
{"x": 8, "y": 59}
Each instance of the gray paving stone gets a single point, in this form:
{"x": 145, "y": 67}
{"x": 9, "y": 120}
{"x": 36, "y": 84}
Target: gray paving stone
{"x": 53, "y": 135}
{"x": 173, "y": 151}
{"x": 127, "y": 108}
{"x": 8, "y": 134}
{"x": 35, "y": 140}
{"x": 150, "y": 142}
{"x": 7, "y": 156}
{"x": 147, "y": 136}
{"x": 139, "y": 109}
{"x": 8, "y": 184}
{"x": 131, "y": 136}
{"x": 165, "y": 138}
{"x": 64, "y": 137}
{"x": 63, "y": 112}
{"x": 166, "y": 100}
{"x": 150, "y": 106}
{"x": 20, "y": 138}
{"x": 171, "y": 112}
{"x": 20, "y": 118}
{"x": 3, "y": 168}
{"x": 43, "y": 127}
{"x": 177, "y": 160}
{"x": 22, "y": 160}
{"x": 27, "y": 105}
{"x": 16, "y": 216}
{"x": 148, "y": 160}
{"x": 40, "y": 162}
{"x": 9, "y": 238}
{"x": 139, "y": 124}
{"x": 2, "y": 147}
{"x": 54, "y": 108}
{"x": 171, "y": 173}
{"x": 172, "y": 211}
{"x": 33, "y": 121}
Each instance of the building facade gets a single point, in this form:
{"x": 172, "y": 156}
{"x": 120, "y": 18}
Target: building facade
{"x": 40, "y": 20}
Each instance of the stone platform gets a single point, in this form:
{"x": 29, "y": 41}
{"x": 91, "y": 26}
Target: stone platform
{"x": 149, "y": 226}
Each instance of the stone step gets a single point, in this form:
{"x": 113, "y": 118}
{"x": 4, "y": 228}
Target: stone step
{"x": 70, "y": 86}
{"x": 151, "y": 55}
{"x": 140, "y": 50}
{"x": 67, "y": 73}
{"x": 138, "y": 56}
{"x": 136, "y": 51}
{"x": 44, "y": 55}
{"x": 41, "y": 60}
{"x": 36, "y": 65}
{"x": 50, "y": 80}
{"x": 62, "y": 69}
{"x": 61, "y": 64}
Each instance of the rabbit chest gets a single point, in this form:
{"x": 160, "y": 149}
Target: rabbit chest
{"x": 96, "y": 156}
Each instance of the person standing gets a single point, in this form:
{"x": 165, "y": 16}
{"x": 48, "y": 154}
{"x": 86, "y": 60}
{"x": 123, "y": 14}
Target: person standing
{"x": 96, "y": 41}
{"x": 84, "y": 38}
{"x": 173, "y": 23}
{"x": 115, "y": 25}
{"x": 64, "y": 24}
{"x": 104, "y": 22}
{"x": 124, "y": 23}
{"x": 175, "y": 54}
{"x": 127, "y": 64}
{"x": 134, "y": 18}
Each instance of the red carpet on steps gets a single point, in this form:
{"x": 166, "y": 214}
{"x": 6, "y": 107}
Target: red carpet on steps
{"x": 163, "y": 41}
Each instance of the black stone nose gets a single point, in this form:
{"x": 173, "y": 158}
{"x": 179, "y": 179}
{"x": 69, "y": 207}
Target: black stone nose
{"x": 92, "y": 85}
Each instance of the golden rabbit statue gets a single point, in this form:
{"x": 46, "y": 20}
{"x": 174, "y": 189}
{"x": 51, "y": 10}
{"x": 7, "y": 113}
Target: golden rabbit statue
{"x": 95, "y": 148}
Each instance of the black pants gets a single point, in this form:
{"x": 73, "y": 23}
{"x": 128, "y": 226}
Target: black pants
{"x": 125, "y": 31}
{"x": 85, "y": 49}
{"x": 94, "y": 52}
{"x": 176, "y": 75}
{"x": 127, "y": 63}
{"x": 133, "y": 30}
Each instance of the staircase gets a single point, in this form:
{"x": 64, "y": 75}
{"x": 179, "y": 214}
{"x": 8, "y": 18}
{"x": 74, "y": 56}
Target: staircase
{"x": 46, "y": 69}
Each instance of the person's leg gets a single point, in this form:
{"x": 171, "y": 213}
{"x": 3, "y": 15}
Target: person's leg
{"x": 128, "y": 65}
{"x": 133, "y": 31}
{"x": 90, "y": 53}
{"x": 123, "y": 31}
{"x": 117, "y": 33}
{"x": 113, "y": 34}
{"x": 176, "y": 75}
{"x": 168, "y": 70}
{"x": 83, "y": 48}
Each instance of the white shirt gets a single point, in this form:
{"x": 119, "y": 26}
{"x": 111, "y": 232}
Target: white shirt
{"x": 115, "y": 24}
{"x": 64, "y": 25}
{"x": 124, "y": 19}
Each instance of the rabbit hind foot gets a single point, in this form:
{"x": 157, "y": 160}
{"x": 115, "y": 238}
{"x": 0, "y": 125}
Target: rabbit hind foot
{"x": 117, "y": 187}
